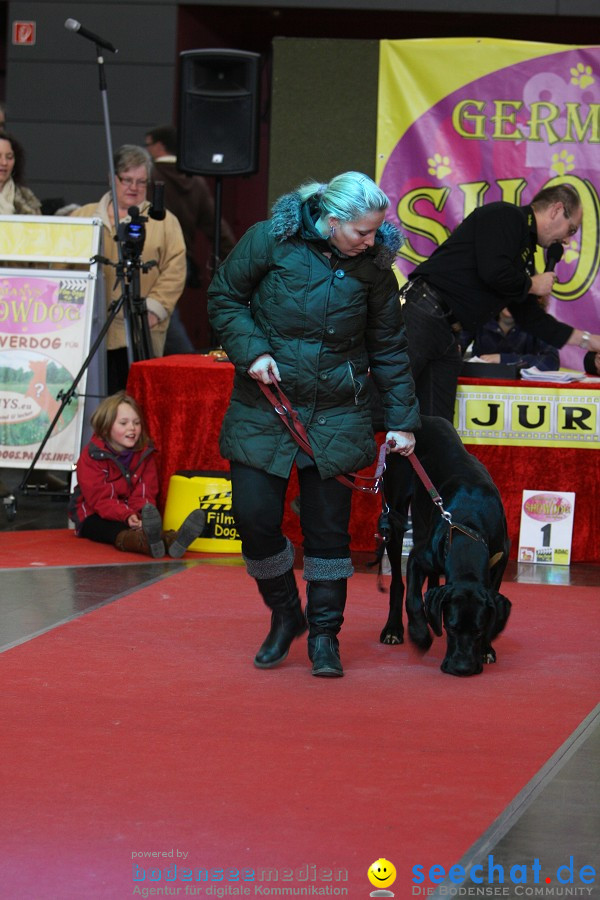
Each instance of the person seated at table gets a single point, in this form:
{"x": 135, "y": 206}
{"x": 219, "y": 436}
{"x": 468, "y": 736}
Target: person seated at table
{"x": 161, "y": 285}
{"x": 591, "y": 363}
{"x": 114, "y": 501}
{"x": 501, "y": 340}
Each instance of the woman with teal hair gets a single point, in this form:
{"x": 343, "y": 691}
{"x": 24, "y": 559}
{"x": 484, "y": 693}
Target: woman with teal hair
{"x": 308, "y": 300}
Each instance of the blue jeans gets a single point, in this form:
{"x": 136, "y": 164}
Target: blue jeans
{"x": 434, "y": 353}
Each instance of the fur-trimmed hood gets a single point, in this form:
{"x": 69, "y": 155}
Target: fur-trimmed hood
{"x": 290, "y": 216}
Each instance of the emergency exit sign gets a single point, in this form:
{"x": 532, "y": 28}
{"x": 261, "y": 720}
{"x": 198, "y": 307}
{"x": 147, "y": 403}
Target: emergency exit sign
{"x": 23, "y": 33}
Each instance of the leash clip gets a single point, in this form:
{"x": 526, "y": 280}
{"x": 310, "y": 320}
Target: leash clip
{"x": 383, "y": 524}
{"x": 447, "y": 516}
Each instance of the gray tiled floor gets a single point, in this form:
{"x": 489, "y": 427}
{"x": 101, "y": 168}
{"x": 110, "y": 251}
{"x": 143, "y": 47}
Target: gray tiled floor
{"x": 563, "y": 820}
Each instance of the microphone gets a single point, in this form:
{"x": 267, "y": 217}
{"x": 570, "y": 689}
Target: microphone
{"x": 553, "y": 255}
{"x": 157, "y": 209}
{"x": 77, "y": 27}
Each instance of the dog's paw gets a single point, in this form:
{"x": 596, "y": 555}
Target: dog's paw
{"x": 489, "y": 655}
{"x": 391, "y": 636}
{"x": 420, "y": 635}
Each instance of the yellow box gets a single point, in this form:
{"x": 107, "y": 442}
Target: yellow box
{"x": 205, "y": 490}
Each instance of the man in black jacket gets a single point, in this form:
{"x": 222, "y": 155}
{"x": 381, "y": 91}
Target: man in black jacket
{"x": 486, "y": 264}
{"x": 187, "y": 196}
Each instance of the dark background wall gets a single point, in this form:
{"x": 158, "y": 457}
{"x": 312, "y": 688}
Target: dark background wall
{"x": 317, "y": 111}
{"x": 53, "y": 99}
{"x": 319, "y": 63}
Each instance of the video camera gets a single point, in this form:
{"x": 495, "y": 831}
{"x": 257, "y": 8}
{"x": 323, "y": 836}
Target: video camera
{"x": 132, "y": 234}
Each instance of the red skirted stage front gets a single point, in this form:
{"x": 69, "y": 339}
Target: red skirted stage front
{"x": 184, "y": 399}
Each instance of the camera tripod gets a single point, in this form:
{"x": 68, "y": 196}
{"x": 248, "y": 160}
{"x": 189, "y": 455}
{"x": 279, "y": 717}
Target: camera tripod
{"x": 139, "y": 344}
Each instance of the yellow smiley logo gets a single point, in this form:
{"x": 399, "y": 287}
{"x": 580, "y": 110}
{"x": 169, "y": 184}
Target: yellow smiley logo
{"x": 381, "y": 873}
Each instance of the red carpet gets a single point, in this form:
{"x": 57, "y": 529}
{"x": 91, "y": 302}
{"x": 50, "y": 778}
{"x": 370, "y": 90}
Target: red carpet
{"x": 60, "y": 547}
{"x": 143, "y": 727}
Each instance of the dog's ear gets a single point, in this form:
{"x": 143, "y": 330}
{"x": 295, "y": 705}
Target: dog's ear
{"x": 502, "y": 607}
{"x": 434, "y": 603}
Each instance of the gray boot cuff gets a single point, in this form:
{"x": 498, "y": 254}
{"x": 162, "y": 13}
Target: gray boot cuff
{"x": 317, "y": 569}
{"x": 272, "y": 566}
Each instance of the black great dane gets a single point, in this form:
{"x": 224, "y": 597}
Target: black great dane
{"x": 470, "y": 551}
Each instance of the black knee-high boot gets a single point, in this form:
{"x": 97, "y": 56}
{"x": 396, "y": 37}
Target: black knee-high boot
{"x": 287, "y": 619}
{"x": 326, "y": 601}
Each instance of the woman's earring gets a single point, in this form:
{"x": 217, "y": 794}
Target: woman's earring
{"x": 332, "y": 230}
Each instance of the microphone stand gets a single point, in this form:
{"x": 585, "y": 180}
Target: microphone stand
{"x": 137, "y": 332}
{"x": 131, "y": 357}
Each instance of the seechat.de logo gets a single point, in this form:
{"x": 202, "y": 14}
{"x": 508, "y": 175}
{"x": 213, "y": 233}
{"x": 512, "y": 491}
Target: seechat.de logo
{"x": 491, "y": 873}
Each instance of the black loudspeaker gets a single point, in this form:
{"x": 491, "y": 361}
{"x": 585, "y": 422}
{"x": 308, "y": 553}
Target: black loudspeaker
{"x": 218, "y": 129}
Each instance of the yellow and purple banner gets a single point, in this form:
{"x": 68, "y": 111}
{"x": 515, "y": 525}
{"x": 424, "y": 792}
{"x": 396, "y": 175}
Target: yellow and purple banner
{"x": 46, "y": 319}
{"x": 467, "y": 121}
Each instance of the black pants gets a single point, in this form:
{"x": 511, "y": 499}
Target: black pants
{"x": 258, "y": 505}
{"x": 104, "y": 531}
{"x": 433, "y": 350}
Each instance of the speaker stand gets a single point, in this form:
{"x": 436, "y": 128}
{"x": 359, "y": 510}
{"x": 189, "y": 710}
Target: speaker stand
{"x": 216, "y": 254}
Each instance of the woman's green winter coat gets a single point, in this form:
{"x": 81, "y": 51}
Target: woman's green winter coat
{"x": 326, "y": 323}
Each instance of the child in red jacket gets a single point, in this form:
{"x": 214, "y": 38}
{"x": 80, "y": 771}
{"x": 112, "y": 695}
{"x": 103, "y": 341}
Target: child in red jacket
{"x": 114, "y": 501}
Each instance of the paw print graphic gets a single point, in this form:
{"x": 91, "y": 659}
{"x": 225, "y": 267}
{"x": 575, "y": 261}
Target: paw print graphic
{"x": 439, "y": 165}
{"x": 563, "y": 162}
{"x": 581, "y": 75}
{"x": 571, "y": 252}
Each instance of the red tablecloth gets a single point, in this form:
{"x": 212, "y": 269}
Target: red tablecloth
{"x": 184, "y": 399}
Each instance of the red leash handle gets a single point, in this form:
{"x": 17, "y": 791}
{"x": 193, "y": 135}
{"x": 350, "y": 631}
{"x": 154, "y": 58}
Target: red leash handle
{"x": 290, "y": 419}
{"x": 429, "y": 487}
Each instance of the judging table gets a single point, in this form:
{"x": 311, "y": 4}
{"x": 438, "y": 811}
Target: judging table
{"x": 184, "y": 399}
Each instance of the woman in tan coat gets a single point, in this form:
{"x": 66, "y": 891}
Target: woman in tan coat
{"x": 162, "y": 285}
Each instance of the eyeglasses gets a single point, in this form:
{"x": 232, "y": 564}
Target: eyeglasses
{"x": 573, "y": 229}
{"x": 133, "y": 182}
